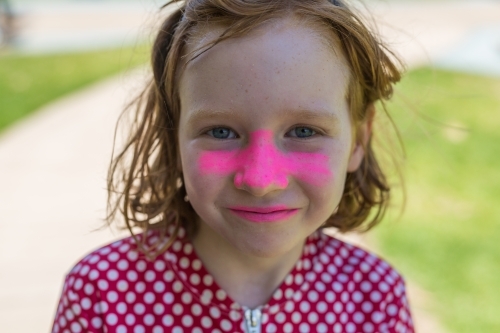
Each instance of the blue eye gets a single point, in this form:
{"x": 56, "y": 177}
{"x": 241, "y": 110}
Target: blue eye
{"x": 302, "y": 132}
{"x": 222, "y": 133}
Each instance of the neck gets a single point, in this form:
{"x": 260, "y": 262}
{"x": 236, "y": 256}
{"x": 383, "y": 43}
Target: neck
{"x": 248, "y": 279}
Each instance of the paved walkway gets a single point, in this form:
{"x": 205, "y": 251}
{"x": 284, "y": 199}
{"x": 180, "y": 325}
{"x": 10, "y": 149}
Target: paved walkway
{"x": 53, "y": 170}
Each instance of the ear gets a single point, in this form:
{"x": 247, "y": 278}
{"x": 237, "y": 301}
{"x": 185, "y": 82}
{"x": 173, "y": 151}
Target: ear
{"x": 363, "y": 134}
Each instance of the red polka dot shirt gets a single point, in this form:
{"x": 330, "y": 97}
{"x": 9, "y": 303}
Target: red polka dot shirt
{"x": 334, "y": 287}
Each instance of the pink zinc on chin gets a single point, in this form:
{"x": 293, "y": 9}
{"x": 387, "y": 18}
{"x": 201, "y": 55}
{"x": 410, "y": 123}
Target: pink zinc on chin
{"x": 261, "y": 163}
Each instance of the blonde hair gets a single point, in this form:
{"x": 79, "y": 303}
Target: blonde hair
{"x": 145, "y": 188}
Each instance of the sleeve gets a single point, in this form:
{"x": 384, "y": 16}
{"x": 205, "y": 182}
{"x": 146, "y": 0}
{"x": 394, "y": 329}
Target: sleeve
{"x": 397, "y": 310}
{"x": 79, "y": 308}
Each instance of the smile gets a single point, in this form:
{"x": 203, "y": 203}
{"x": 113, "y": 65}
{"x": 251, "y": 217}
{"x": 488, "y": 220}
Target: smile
{"x": 264, "y": 214}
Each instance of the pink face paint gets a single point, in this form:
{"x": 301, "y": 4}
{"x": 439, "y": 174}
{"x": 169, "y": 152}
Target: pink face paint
{"x": 262, "y": 164}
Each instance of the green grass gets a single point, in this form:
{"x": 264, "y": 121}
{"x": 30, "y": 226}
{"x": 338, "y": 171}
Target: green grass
{"x": 448, "y": 240}
{"x": 29, "y": 82}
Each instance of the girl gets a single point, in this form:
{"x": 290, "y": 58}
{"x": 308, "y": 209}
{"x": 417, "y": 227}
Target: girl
{"x": 253, "y": 136}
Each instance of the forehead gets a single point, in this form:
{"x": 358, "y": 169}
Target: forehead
{"x": 282, "y": 64}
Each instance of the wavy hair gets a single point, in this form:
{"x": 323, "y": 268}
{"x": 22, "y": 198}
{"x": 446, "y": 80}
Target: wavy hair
{"x": 144, "y": 181}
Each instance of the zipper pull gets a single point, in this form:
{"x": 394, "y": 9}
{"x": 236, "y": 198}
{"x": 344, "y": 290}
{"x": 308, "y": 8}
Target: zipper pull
{"x": 253, "y": 320}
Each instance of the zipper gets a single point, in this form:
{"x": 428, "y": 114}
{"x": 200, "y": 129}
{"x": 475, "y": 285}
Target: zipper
{"x": 253, "y": 320}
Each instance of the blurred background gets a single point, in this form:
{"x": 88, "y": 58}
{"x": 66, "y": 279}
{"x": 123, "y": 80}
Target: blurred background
{"x": 68, "y": 67}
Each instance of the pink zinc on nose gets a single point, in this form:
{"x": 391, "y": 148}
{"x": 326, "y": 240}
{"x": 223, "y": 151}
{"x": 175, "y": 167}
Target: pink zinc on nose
{"x": 261, "y": 163}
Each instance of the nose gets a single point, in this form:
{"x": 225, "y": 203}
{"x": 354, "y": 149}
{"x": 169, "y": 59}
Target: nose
{"x": 262, "y": 166}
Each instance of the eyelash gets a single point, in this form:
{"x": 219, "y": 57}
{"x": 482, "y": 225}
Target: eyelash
{"x": 314, "y": 130}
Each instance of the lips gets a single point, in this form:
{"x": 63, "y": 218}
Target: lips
{"x": 264, "y": 214}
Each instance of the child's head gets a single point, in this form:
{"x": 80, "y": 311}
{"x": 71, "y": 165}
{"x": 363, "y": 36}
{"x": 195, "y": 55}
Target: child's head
{"x": 264, "y": 103}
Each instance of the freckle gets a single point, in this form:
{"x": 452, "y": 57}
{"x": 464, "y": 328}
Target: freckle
{"x": 246, "y": 90}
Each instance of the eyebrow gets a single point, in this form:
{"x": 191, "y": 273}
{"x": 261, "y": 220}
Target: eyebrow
{"x": 306, "y": 114}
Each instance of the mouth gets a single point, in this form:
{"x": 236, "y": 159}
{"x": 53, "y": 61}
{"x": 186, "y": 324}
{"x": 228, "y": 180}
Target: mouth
{"x": 264, "y": 214}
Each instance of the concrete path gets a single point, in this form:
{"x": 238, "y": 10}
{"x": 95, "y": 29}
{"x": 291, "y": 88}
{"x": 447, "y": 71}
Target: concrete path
{"x": 53, "y": 169}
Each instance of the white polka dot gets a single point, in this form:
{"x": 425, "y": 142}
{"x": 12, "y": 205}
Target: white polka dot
{"x": 168, "y": 298}
{"x": 304, "y": 328}
{"x": 132, "y": 276}
{"x": 226, "y": 325}
{"x": 140, "y": 287}
{"x": 149, "y": 298}
{"x": 85, "y": 303}
{"x": 88, "y": 289}
{"x": 344, "y": 297}
{"x": 77, "y": 310}
{"x": 177, "y": 286}
{"x": 299, "y": 279}
{"x": 62, "y": 321}
{"x": 289, "y": 306}
{"x": 305, "y": 306}
{"x": 337, "y": 328}
{"x": 214, "y": 312}
{"x": 122, "y": 264}
{"x": 322, "y": 328}
{"x": 184, "y": 262}
{"x": 111, "y": 319}
{"x": 167, "y": 320}
{"x": 159, "y": 266}
{"x": 139, "y": 308}
{"x": 208, "y": 280}
{"x": 367, "y": 307}
{"x": 177, "y": 309}
{"x": 375, "y": 296}
{"x": 271, "y": 328}
{"x": 288, "y": 328}
{"x": 377, "y": 317}
{"x": 220, "y": 294}
{"x": 350, "y": 328}
{"x": 130, "y": 297}
{"x": 312, "y": 318}
{"x": 96, "y": 322}
{"x": 186, "y": 298}
{"x": 159, "y": 286}
{"x": 374, "y": 276}
{"x": 196, "y": 330}
{"x": 194, "y": 279}
{"x": 93, "y": 275}
{"x": 149, "y": 319}
{"x": 139, "y": 329}
{"x": 206, "y": 322}
{"x": 121, "y": 329}
{"x": 168, "y": 276}
{"x": 121, "y": 308}
{"x": 76, "y": 328}
{"x": 103, "y": 265}
{"x": 366, "y": 286}
{"x": 312, "y": 296}
{"x": 100, "y": 307}
{"x": 196, "y": 309}
{"x": 112, "y": 275}
{"x": 368, "y": 327}
{"x": 320, "y": 286}
{"x": 122, "y": 286}
{"x": 69, "y": 315}
{"x": 85, "y": 269}
{"x": 187, "y": 320}
{"x": 112, "y": 296}
{"x": 296, "y": 317}
{"x": 93, "y": 259}
{"x": 140, "y": 266}
{"x": 130, "y": 319}
{"x": 338, "y": 307}
{"x": 330, "y": 318}
{"x": 158, "y": 309}
{"x": 158, "y": 329}
{"x": 150, "y": 276}
{"x": 342, "y": 277}
{"x": 132, "y": 255}
{"x": 78, "y": 284}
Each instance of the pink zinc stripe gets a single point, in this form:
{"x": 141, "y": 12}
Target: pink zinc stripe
{"x": 262, "y": 164}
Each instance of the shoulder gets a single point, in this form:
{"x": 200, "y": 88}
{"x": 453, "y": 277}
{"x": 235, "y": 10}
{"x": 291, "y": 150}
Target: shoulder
{"x": 366, "y": 284}
{"x": 353, "y": 263}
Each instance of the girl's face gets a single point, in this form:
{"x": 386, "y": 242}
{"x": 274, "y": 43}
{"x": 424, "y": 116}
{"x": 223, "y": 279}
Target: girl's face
{"x": 265, "y": 136}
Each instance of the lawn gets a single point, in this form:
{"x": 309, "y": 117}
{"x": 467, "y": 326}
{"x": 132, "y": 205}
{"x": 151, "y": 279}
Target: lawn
{"x": 448, "y": 239}
{"x": 29, "y": 82}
